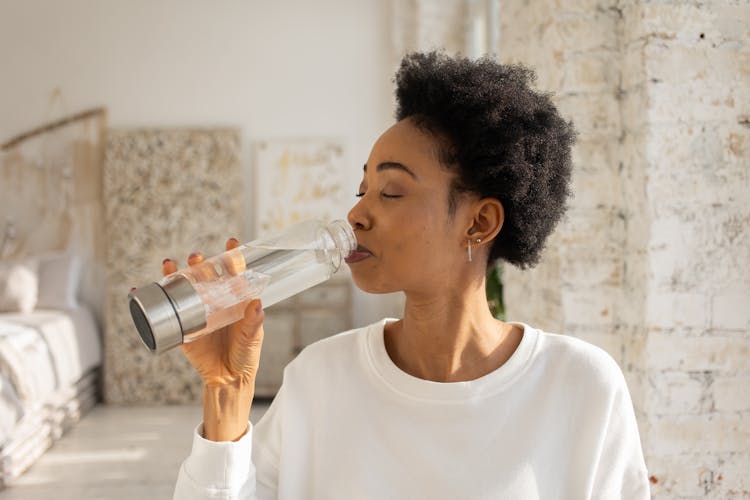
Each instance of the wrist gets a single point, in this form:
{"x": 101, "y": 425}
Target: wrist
{"x": 226, "y": 410}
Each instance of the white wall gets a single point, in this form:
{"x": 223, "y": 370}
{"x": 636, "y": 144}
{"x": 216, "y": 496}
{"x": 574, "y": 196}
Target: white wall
{"x": 275, "y": 69}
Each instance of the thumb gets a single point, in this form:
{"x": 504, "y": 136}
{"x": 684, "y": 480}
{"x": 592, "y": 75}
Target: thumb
{"x": 251, "y": 324}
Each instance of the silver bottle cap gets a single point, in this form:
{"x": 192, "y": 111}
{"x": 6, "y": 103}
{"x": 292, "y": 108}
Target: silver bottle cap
{"x": 164, "y": 313}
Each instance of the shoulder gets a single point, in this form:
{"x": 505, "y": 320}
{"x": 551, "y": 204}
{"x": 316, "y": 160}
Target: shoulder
{"x": 337, "y": 343}
{"x": 330, "y": 355}
{"x": 583, "y": 362}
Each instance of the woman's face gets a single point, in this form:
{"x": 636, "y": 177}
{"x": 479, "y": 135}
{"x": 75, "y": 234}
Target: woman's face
{"x": 410, "y": 242}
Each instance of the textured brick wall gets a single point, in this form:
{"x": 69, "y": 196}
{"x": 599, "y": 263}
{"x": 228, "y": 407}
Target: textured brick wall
{"x": 573, "y": 48}
{"x": 653, "y": 262}
{"x": 697, "y": 81}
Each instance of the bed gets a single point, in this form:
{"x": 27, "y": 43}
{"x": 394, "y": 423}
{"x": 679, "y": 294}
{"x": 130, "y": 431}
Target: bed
{"x": 50, "y": 358}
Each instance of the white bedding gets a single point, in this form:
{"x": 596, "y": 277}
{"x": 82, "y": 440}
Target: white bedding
{"x": 72, "y": 337}
{"x": 27, "y": 373}
{"x": 43, "y": 356}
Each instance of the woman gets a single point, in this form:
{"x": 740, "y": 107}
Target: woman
{"x": 447, "y": 402}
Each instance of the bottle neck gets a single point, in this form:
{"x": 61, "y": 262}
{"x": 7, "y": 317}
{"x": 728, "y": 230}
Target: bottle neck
{"x": 343, "y": 237}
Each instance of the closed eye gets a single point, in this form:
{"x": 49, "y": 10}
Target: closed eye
{"x": 384, "y": 195}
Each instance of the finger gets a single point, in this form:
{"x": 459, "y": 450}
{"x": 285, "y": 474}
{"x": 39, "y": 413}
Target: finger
{"x": 195, "y": 258}
{"x": 232, "y": 243}
{"x": 234, "y": 260}
{"x": 202, "y": 270}
{"x": 168, "y": 267}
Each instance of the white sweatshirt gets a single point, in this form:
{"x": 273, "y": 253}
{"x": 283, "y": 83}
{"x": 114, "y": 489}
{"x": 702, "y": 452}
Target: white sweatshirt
{"x": 554, "y": 422}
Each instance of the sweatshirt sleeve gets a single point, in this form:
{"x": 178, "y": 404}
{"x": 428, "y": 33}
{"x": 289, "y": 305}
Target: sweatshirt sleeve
{"x": 621, "y": 469}
{"x": 221, "y": 470}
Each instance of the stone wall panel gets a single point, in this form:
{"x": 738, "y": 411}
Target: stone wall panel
{"x": 167, "y": 192}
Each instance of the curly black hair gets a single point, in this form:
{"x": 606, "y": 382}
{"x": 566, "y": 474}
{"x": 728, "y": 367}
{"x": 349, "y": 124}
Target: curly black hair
{"x": 502, "y": 139}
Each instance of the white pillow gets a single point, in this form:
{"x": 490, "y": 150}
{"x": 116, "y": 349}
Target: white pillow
{"x": 19, "y": 286}
{"x": 59, "y": 276}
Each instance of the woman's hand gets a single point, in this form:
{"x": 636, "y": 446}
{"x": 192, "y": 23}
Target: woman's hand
{"x": 230, "y": 355}
{"x": 227, "y": 360}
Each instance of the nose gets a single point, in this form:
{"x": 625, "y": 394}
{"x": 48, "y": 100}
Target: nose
{"x": 358, "y": 216}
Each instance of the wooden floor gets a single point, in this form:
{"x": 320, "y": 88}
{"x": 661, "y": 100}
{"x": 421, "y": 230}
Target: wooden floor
{"x": 116, "y": 453}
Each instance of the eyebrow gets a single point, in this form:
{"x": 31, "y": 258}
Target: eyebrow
{"x": 393, "y": 165}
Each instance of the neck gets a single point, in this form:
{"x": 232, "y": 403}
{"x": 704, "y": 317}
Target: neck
{"x": 450, "y": 337}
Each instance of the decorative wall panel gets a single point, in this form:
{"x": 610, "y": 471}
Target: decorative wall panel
{"x": 167, "y": 193}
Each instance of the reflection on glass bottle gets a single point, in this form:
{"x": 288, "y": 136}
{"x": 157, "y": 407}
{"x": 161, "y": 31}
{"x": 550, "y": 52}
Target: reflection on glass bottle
{"x": 197, "y": 300}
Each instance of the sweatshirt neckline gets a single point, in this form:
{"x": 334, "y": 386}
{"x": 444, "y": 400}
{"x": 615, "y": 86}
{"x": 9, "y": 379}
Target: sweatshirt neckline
{"x": 427, "y": 390}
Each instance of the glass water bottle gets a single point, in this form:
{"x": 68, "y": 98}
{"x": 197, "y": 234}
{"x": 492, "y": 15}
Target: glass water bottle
{"x": 192, "y": 302}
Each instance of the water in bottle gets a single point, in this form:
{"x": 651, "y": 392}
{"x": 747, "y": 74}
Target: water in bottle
{"x": 198, "y": 300}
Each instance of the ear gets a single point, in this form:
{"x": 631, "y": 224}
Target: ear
{"x": 488, "y": 218}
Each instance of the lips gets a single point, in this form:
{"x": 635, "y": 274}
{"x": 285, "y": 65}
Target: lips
{"x": 360, "y": 253}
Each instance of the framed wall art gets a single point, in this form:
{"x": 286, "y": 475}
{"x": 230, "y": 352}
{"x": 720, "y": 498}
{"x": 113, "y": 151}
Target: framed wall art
{"x": 297, "y": 179}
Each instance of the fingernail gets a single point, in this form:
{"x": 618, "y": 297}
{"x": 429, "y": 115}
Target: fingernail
{"x": 165, "y": 261}
{"x": 258, "y": 307}
{"x": 192, "y": 256}
{"x": 132, "y": 289}
{"x": 234, "y": 240}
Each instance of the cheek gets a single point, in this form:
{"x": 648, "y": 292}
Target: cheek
{"x": 419, "y": 242}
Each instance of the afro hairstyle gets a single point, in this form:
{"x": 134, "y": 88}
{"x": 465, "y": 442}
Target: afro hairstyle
{"x": 500, "y": 137}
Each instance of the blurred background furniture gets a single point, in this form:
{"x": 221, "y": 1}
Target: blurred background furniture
{"x": 51, "y": 277}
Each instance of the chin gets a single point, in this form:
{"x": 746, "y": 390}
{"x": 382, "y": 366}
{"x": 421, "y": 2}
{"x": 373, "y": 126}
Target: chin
{"x": 372, "y": 284}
